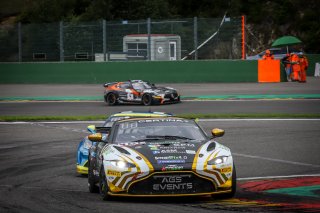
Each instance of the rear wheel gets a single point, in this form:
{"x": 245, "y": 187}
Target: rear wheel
{"x": 93, "y": 188}
{"x": 111, "y": 99}
{"x": 147, "y": 99}
{"x": 103, "y": 185}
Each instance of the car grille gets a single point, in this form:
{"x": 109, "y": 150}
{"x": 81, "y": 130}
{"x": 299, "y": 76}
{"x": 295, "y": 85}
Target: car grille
{"x": 171, "y": 95}
{"x": 172, "y": 183}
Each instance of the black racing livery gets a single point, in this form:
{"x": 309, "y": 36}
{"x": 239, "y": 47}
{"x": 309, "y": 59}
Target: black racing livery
{"x": 160, "y": 157}
{"x": 139, "y": 92}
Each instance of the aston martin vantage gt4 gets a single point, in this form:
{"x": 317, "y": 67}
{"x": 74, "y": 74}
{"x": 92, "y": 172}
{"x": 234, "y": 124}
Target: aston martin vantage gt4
{"x": 161, "y": 157}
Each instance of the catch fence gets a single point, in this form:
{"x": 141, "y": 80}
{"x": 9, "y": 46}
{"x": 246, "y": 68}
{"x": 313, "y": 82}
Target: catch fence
{"x": 183, "y": 39}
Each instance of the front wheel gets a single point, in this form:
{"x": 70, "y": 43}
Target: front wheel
{"x": 103, "y": 185}
{"x": 147, "y": 99}
{"x": 93, "y": 188}
{"x": 111, "y": 99}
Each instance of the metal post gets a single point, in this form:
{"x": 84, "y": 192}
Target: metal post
{"x": 19, "y": 42}
{"x": 149, "y": 38}
{"x": 61, "y": 41}
{"x": 104, "y": 39}
{"x": 195, "y": 37}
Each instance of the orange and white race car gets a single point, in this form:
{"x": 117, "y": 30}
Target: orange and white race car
{"x": 140, "y": 92}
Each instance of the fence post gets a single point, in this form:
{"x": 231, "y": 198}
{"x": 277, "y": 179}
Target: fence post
{"x": 104, "y": 39}
{"x": 195, "y": 37}
{"x": 19, "y": 43}
{"x": 61, "y": 41}
{"x": 149, "y": 38}
{"x": 243, "y": 37}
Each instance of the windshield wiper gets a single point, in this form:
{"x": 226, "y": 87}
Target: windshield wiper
{"x": 163, "y": 137}
{"x": 170, "y": 137}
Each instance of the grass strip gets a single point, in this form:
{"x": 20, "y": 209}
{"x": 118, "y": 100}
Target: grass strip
{"x": 190, "y": 116}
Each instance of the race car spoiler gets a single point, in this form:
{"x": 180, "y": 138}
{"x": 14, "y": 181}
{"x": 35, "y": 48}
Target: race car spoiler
{"x": 108, "y": 84}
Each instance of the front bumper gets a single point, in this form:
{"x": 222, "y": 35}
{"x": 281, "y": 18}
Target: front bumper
{"x": 83, "y": 169}
{"x": 163, "y": 184}
{"x": 166, "y": 99}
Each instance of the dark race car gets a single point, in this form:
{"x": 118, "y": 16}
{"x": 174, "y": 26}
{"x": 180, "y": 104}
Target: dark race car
{"x": 160, "y": 157}
{"x": 140, "y": 92}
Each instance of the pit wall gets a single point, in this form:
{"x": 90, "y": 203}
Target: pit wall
{"x": 153, "y": 71}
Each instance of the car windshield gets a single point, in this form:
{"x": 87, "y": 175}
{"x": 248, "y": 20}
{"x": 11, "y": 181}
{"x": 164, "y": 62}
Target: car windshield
{"x": 141, "y": 85}
{"x": 158, "y": 129}
{"x": 109, "y": 122}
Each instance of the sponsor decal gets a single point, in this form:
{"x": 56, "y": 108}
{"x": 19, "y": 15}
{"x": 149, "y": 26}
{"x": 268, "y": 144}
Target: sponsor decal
{"x": 190, "y": 152}
{"x": 156, "y": 152}
{"x": 153, "y": 145}
{"x": 170, "y": 161}
{"x": 183, "y": 145}
{"x": 132, "y": 143}
{"x": 226, "y": 170}
{"x": 114, "y": 173}
{"x": 171, "y": 157}
{"x": 172, "y": 168}
{"x": 163, "y": 120}
{"x": 172, "y": 151}
{"x": 172, "y": 183}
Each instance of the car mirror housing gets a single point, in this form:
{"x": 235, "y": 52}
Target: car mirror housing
{"x": 217, "y": 132}
{"x": 97, "y": 137}
{"x": 91, "y": 129}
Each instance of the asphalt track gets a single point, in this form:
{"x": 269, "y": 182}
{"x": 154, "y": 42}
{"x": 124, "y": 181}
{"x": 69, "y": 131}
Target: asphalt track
{"x": 37, "y": 169}
{"x": 278, "y": 161}
{"x": 218, "y": 98}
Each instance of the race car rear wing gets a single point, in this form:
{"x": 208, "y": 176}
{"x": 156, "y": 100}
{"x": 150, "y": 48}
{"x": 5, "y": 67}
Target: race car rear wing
{"x": 109, "y": 84}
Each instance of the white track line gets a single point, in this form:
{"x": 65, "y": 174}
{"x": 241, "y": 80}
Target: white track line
{"x": 277, "y": 160}
{"x": 201, "y": 120}
{"x": 279, "y": 177}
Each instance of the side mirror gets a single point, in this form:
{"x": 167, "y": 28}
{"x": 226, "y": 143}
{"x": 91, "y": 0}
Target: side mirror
{"x": 91, "y": 129}
{"x": 97, "y": 137}
{"x": 217, "y": 132}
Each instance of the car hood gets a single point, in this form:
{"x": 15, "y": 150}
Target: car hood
{"x": 164, "y": 90}
{"x": 165, "y": 154}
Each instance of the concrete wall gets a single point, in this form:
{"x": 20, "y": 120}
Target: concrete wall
{"x": 154, "y": 71}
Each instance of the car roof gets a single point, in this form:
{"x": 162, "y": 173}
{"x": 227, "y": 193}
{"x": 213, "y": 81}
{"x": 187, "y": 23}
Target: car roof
{"x": 140, "y": 118}
{"x": 141, "y": 114}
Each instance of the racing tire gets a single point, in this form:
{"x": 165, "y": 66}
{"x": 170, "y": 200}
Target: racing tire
{"x": 93, "y": 188}
{"x": 111, "y": 99}
{"x": 233, "y": 187}
{"x": 147, "y": 99}
{"x": 103, "y": 185}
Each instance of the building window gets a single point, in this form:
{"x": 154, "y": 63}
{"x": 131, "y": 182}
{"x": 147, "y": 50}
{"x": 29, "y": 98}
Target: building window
{"x": 137, "y": 49}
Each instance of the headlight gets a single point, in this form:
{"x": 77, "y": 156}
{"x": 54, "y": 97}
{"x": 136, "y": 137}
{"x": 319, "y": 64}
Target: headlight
{"x": 218, "y": 160}
{"x": 122, "y": 164}
{"x": 158, "y": 95}
{"x": 87, "y": 144}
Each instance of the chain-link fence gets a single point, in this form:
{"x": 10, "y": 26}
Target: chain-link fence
{"x": 185, "y": 39}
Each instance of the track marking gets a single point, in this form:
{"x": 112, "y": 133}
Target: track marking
{"x": 279, "y": 177}
{"x": 201, "y": 120}
{"x": 277, "y": 160}
{"x": 39, "y": 188}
